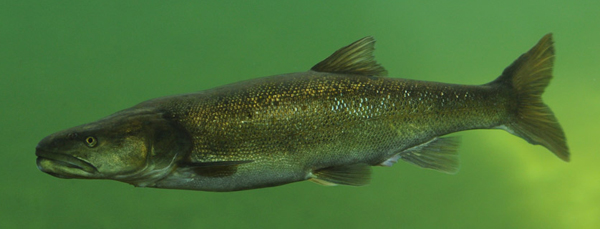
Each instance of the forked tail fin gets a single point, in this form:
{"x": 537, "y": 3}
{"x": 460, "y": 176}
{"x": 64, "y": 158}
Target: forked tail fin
{"x": 533, "y": 121}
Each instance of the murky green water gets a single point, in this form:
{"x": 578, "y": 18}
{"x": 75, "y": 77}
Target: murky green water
{"x": 66, "y": 63}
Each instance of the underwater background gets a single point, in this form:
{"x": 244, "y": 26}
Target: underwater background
{"x": 65, "y": 63}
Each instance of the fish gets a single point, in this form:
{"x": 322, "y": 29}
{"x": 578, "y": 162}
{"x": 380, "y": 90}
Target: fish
{"x": 328, "y": 125}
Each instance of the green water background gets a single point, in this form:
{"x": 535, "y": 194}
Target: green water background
{"x": 64, "y": 63}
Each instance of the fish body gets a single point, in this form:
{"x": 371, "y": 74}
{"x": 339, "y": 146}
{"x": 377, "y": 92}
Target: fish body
{"x": 327, "y": 125}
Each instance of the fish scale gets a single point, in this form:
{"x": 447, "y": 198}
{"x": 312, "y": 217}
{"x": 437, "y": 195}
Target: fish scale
{"x": 311, "y": 110}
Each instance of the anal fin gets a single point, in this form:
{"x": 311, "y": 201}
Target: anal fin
{"x": 355, "y": 175}
{"x": 438, "y": 154}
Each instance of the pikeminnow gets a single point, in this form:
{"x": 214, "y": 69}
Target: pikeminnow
{"x": 327, "y": 125}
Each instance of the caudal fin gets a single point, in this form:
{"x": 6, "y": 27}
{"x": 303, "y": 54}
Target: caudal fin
{"x": 533, "y": 120}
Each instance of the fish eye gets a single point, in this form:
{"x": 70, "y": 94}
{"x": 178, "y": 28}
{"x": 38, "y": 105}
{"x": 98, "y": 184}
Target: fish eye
{"x": 91, "y": 141}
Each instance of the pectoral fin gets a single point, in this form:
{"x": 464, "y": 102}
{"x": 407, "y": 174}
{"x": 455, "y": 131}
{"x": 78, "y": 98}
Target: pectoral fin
{"x": 213, "y": 169}
{"x": 438, "y": 154}
{"x": 355, "y": 175}
{"x": 214, "y": 163}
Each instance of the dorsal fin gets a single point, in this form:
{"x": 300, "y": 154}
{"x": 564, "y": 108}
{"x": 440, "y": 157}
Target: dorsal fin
{"x": 356, "y": 58}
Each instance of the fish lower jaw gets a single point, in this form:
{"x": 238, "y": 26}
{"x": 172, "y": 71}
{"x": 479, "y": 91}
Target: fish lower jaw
{"x": 62, "y": 169}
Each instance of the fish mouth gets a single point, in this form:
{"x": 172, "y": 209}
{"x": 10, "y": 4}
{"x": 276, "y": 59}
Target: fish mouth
{"x": 63, "y": 165}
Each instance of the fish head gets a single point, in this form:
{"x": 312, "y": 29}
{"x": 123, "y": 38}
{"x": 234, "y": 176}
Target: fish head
{"x": 129, "y": 146}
